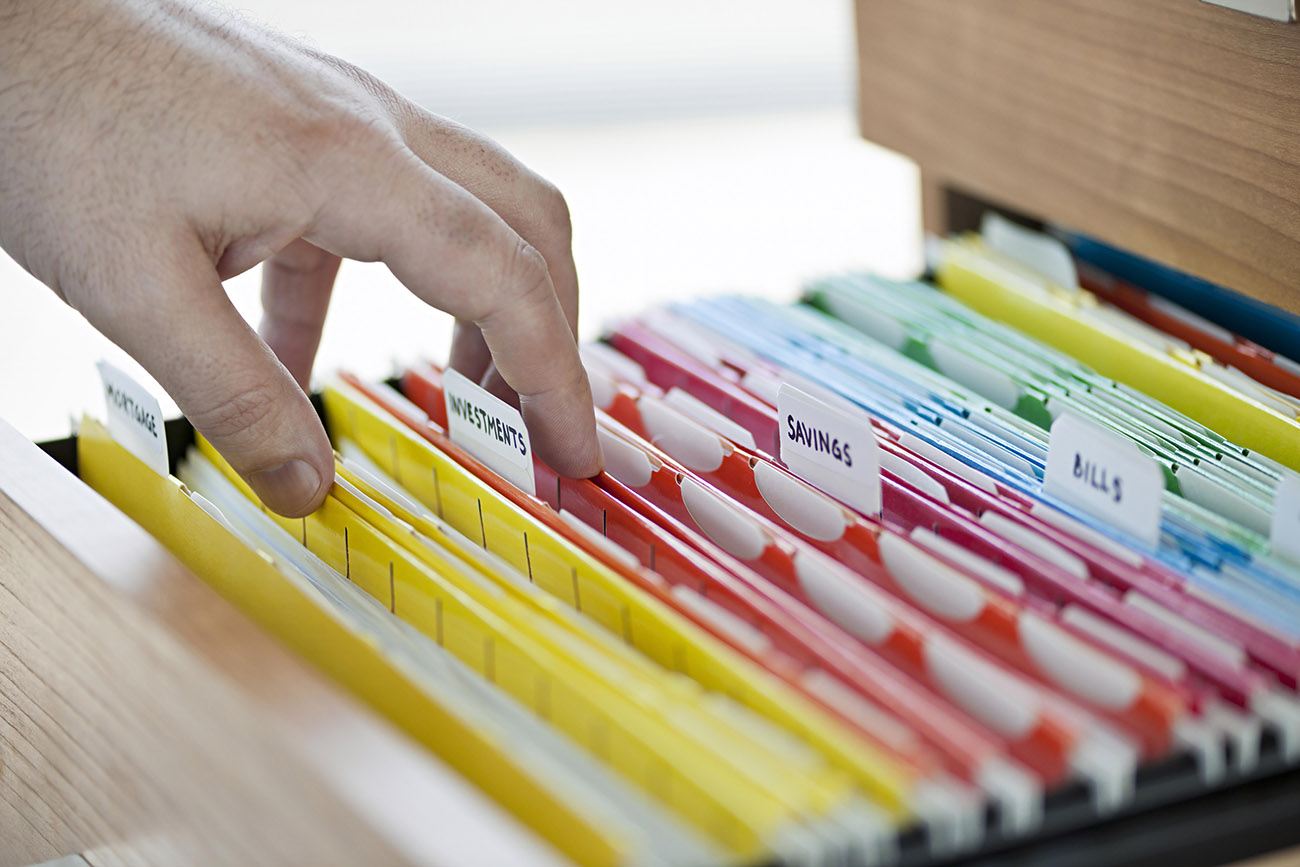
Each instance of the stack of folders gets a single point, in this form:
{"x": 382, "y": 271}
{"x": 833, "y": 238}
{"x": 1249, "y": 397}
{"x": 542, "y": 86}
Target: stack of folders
{"x": 892, "y": 573}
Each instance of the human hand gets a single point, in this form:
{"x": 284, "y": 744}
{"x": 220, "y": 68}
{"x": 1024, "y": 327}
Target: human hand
{"x": 150, "y": 149}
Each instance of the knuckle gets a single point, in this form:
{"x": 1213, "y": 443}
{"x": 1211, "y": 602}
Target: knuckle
{"x": 375, "y": 91}
{"x": 328, "y": 148}
{"x": 244, "y": 410}
{"x": 339, "y": 122}
{"x": 364, "y": 127}
{"x": 342, "y": 138}
{"x": 527, "y": 278}
{"x": 556, "y": 218}
{"x": 522, "y": 280}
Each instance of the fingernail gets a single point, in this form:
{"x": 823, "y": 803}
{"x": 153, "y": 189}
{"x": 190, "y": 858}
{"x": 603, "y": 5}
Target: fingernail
{"x": 288, "y": 489}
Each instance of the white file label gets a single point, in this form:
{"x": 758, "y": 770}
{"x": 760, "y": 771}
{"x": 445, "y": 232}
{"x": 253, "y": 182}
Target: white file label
{"x": 490, "y": 429}
{"x": 831, "y": 449}
{"x": 134, "y": 417}
{"x": 1106, "y": 476}
{"x": 1284, "y": 532}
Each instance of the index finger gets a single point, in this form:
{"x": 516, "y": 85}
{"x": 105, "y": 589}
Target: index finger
{"x": 458, "y": 255}
{"x": 530, "y": 205}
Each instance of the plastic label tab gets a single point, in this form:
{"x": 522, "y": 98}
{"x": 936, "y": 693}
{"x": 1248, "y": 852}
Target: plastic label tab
{"x": 135, "y": 419}
{"x": 1284, "y": 535}
{"x": 831, "y": 449}
{"x": 490, "y": 429}
{"x": 1106, "y": 476}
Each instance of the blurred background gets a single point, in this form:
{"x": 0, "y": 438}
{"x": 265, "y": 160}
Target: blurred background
{"x": 703, "y": 146}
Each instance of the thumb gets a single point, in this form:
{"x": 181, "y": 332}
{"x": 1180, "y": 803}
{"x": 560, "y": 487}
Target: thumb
{"x": 177, "y": 321}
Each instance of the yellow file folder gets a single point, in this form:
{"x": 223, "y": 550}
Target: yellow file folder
{"x": 470, "y": 506}
{"x": 250, "y": 581}
{"x": 744, "y": 800}
{"x": 1002, "y": 289}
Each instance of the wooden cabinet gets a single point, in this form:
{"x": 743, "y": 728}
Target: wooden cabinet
{"x": 1168, "y": 127}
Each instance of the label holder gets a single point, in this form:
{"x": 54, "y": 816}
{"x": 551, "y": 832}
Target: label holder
{"x": 1106, "y": 476}
{"x": 490, "y": 429}
{"x": 831, "y": 449}
{"x": 134, "y": 417}
{"x": 1284, "y": 528}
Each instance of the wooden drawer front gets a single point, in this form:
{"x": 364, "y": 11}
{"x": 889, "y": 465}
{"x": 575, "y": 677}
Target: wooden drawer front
{"x": 1171, "y": 127}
